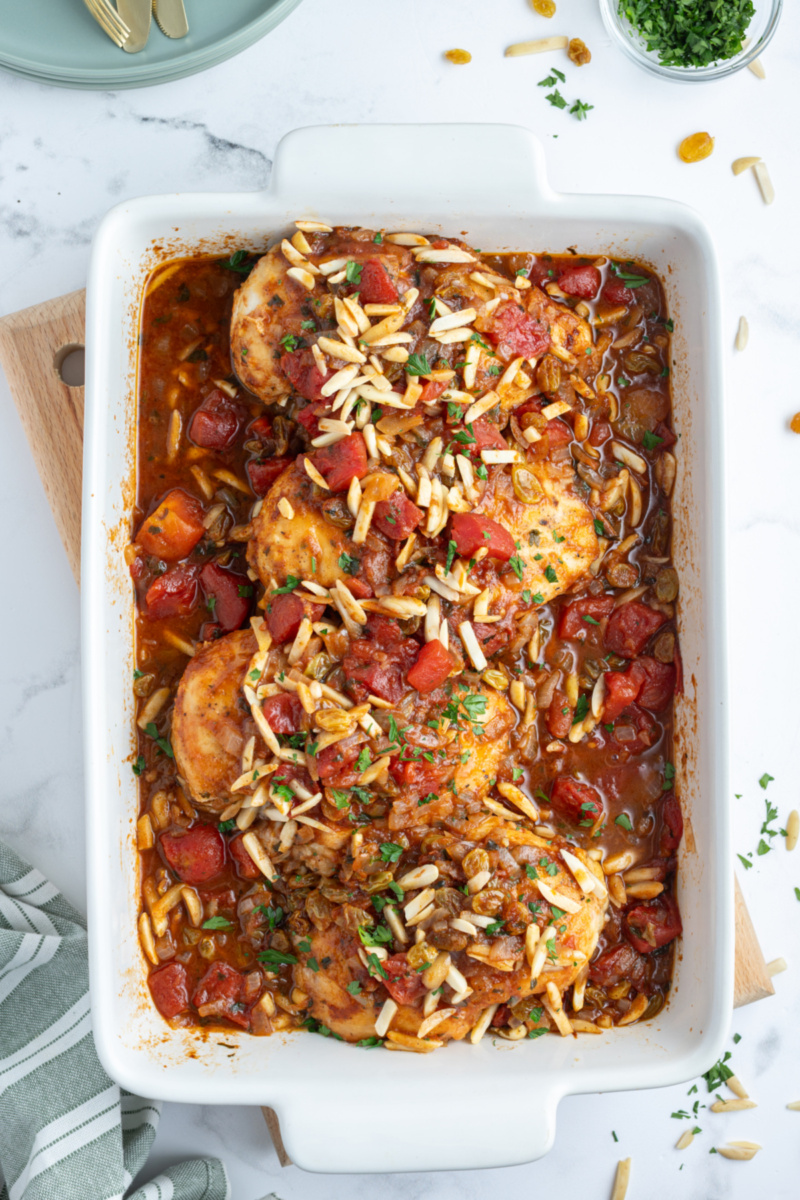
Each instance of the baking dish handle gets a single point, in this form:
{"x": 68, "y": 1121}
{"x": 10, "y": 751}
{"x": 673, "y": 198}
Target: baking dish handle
{"x": 417, "y": 168}
{"x": 330, "y": 1128}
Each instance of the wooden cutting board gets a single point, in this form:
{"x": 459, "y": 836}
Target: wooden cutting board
{"x": 32, "y": 345}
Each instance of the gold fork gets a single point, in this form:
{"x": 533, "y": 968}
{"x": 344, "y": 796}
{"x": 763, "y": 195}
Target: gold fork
{"x": 109, "y": 20}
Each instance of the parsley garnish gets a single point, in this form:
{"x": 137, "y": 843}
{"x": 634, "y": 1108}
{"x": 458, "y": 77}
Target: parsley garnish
{"x": 517, "y": 565}
{"x": 651, "y": 440}
{"x": 452, "y": 549}
{"x": 291, "y": 583}
{"x": 161, "y": 742}
{"x": 579, "y": 109}
{"x": 765, "y": 781}
{"x": 631, "y": 281}
{"x": 276, "y": 958}
{"x": 418, "y": 365}
{"x": 138, "y": 766}
{"x": 348, "y": 563}
{"x": 718, "y": 1074}
{"x": 550, "y": 574}
{"x": 226, "y": 826}
{"x": 352, "y": 272}
{"x": 238, "y": 261}
{"x": 549, "y": 81}
{"x": 556, "y": 99}
{"x": 391, "y": 852}
{"x": 217, "y": 923}
{"x": 581, "y": 708}
{"x": 694, "y": 33}
{"x": 624, "y": 821}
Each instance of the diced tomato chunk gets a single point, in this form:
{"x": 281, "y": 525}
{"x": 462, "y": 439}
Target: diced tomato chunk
{"x": 580, "y": 281}
{"x": 558, "y": 433}
{"x": 403, "y": 983}
{"x": 619, "y": 963}
{"x": 615, "y": 292}
{"x": 432, "y": 667}
{"x": 338, "y": 764}
{"x": 283, "y": 616}
{"x": 378, "y": 663}
{"x": 630, "y": 628}
{"x": 261, "y": 427}
{"x": 672, "y": 827}
{"x": 575, "y": 800}
{"x": 262, "y": 472}
{"x": 559, "y": 716}
{"x": 196, "y": 855}
{"x": 169, "y": 988}
{"x": 376, "y": 285}
{"x": 220, "y": 993}
{"x": 397, "y": 516}
{"x": 173, "y": 594}
{"x": 471, "y": 533}
{"x": 658, "y": 683}
{"x": 600, "y": 432}
{"x": 216, "y": 422}
{"x": 301, "y": 369}
{"x": 667, "y": 436}
{"x": 174, "y": 529}
{"x": 514, "y": 332}
{"x": 502, "y": 1016}
{"x": 574, "y": 623}
{"x": 309, "y": 417}
{"x": 654, "y": 924}
{"x": 283, "y": 712}
{"x": 342, "y": 462}
{"x": 487, "y": 436}
{"x": 622, "y": 689}
{"x": 432, "y": 390}
{"x": 228, "y": 595}
{"x": 245, "y": 867}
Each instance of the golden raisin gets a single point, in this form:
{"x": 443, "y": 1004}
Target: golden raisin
{"x": 458, "y": 56}
{"x": 488, "y": 902}
{"x": 696, "y": 147}
{"x": 794, "y": 424}
{"x": 548, "y": 374}
{"x": 545, "y": 8}
{"x": 579, "y": 52}
{"x": 421, "y": 955}
{"x": 475, "y": 862}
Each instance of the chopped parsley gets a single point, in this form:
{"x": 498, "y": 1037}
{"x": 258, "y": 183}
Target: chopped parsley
{"x": 239, "y": 261}
{"x": 581, "y": 708}
{"x": 624, "y": 821}
{"x": 694, "y": 33}
{"x": 354, "y": 987}
{"x": 651, "y": 440}
{"x": 452, "y": 549}
{"x": 630, "y": 281}
{"x": 719, "y": 1073}
{"x": 217, "y": 923}
{"x": 291, "y": 343}
{"x": 599, "y": 527}
{"x": 579, "y": 109}
{"x": 161, "y": 742}
{"x": 556, "y": 99}
{"x": 352, "y": 272}
{"x": 765, "y": 781}
{"x": 291, "y": 583}
{"x": 391, "y": 852}
{"x": 549, "y": 81}
{"x": 363, "y": 760}
{"x": 517, "y": 565}
{"x": 418, "y": 365}
{"x": 348, "y": 563}
{"x": 550, "y": 574}
{"x": 226, "y": 826}
{"x": 138, "y": 766}
{"x": 276, "y": 958}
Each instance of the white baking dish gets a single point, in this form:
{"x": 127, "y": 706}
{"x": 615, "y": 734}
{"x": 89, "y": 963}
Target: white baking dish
{"x": 342, "y": 1108}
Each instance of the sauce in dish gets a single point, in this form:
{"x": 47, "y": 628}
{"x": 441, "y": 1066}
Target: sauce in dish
{"x": 406, "y": 641}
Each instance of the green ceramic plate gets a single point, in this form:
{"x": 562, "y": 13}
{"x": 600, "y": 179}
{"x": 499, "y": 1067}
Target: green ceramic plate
{"x": 69, "y": 49}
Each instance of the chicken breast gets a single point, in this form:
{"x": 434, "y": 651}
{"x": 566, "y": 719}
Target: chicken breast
{"x": 271, "y": 304}
{"x": 211, "y": 721}
{"x": 307, "y": 545}
{"x": 343, "y": 995}
{"x": 554, "y": 532}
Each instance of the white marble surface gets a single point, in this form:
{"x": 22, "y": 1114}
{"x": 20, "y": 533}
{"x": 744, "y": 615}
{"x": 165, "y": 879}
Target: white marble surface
{"x": 66, "y": 156}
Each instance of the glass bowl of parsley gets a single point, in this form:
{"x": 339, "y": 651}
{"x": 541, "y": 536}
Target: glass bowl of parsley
{"x": 691, "y": 39}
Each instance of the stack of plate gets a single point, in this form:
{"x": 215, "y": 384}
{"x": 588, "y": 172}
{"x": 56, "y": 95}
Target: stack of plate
{"x": 60, "y": 43}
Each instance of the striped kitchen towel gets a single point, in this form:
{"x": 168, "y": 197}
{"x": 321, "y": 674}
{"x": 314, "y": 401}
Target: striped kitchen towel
{"x": 66, "y": 1131}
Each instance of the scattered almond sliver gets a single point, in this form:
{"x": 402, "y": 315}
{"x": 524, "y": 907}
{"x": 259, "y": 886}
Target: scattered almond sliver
{"x": 742, "y": 335}
{"x": 739, "y": 165}
{"x": 757, "y": 67}
{"x": 539, "y": 46}
{"x": 764, "y": 182}
{"x": 622, "y": 1179}
{"x": 742, "y": 1151}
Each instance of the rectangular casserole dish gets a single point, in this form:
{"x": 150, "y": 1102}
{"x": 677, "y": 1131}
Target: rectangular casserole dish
{"x": 410, "y": 1111}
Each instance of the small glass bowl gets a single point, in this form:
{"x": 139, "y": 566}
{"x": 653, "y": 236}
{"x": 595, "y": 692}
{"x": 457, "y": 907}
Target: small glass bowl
{"x": 759, "y": 34}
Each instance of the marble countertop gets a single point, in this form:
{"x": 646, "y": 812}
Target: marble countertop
{"x": 67, "y": 156}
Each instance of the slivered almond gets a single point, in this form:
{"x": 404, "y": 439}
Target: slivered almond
{"x": 451, "y": 255}
{"x": 452, "y": 320}
{"x": 314, "y": 475}
{"x": 480, "y": 407}
{"x": 302, "y": 276}
{"x": 537, "y": 46}
{"x": 764, "y": 182}
{"x": 742, "y": 164}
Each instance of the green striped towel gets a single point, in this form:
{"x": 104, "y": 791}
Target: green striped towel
{"x": 66, "y": 1131}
